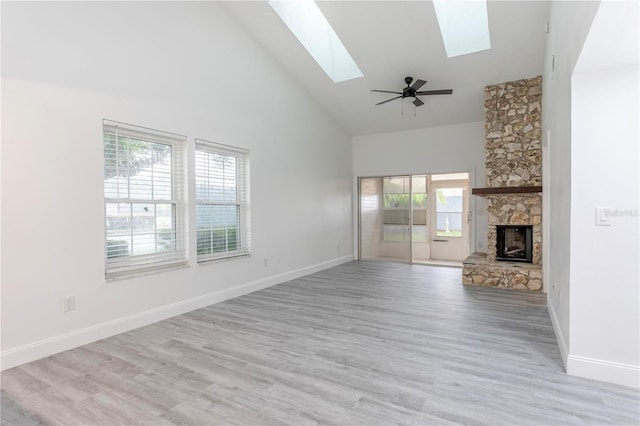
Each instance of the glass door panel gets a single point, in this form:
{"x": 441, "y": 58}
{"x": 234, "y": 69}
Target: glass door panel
{"x": 396, "y": 218}
{"x": 385, "y": 214}
{"x": 370, "y": 218}
{"x": 420, "y": 250}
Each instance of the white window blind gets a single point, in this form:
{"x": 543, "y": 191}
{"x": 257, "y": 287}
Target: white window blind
{"x": 222, "y": 201}
{"x": 144, "y": 199}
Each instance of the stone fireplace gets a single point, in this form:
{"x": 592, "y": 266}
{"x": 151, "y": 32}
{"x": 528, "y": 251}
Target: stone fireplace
{"x": 513, "y": 193}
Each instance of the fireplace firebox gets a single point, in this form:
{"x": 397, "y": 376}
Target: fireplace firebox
{"x": 514, "y": 243}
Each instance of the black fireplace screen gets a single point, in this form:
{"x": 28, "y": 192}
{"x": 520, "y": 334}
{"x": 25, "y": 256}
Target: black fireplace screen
{"x": 514, "y": 243}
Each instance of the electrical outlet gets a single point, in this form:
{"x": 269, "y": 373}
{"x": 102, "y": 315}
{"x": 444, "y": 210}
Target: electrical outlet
{"x": 266, "y": 262}
{"x": 69, "y": 303}
{"x": 338, "y": 247}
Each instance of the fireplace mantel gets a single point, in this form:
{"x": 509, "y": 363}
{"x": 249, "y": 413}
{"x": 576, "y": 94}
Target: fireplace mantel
{"x": 481, "y": 192}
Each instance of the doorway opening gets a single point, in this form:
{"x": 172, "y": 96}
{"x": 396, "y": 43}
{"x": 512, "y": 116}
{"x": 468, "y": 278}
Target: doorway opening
{"x": 414, "y": 218}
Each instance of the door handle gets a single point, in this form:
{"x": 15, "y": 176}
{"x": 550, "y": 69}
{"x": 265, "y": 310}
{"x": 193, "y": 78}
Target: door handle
{"x": 441, "y": 241}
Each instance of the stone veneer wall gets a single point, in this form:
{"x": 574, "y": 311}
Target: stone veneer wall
{"x": 513, "y": 130}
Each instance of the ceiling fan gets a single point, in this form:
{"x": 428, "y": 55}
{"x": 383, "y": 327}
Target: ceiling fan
{"x": 411, "y": 93}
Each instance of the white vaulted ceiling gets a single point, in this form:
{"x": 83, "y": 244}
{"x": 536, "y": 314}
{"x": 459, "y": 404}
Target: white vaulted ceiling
{"x": 390, "y": 40}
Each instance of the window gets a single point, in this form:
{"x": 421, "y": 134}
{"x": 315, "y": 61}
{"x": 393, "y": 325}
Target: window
{"x": 143, "y": 198}
{"x": 222, "y": 201}
{"x": 449, "y": 212}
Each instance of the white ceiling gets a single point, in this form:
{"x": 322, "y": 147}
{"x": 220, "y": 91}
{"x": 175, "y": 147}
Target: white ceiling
{"x": 390, "y": 40}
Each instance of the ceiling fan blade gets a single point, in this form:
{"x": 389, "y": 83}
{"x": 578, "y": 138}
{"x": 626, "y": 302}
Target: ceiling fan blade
{"x": 388, "y": 100}
{"x": 418, "y": 84}
{"x": 435, "y": 92}
{"x": 386, "y": 91}
{"x": 417, "y": 102}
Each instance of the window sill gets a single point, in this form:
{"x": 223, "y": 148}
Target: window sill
{"x": 149, "y": 270}
{"x": 222, "y": 258}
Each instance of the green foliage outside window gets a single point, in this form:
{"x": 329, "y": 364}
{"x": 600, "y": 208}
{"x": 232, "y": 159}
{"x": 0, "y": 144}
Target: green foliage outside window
{"x": 217, "y": 240}
{"x": 401, "y": 201}
{"x": 126, "y": 157}
{"x": 117, "y": 248}
{"x": 419, "y": 201}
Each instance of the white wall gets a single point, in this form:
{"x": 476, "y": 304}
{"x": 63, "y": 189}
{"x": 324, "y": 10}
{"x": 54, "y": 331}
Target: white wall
{"x": 569, "y": 24}
{"x": 457, "y": 148}
{"x": 605, "y": 300}
{"x": 182, "y": 67}
{"x": 591, "y": 114}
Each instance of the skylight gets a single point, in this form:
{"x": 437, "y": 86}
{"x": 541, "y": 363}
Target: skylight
{"x": 464, "y": 26}
{"x": 309, "y": 25}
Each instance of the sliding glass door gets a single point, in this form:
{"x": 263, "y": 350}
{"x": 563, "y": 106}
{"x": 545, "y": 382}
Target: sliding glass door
{"x": 398, "y": 217}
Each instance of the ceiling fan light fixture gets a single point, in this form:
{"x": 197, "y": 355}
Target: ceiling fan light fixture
{"x": 408, "y": 99}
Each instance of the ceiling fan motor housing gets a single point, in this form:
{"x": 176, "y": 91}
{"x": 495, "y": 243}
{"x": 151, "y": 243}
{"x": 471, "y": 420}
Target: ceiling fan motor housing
{"x": 408, "y": 92}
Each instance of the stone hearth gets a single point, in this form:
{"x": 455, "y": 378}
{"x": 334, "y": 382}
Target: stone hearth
{"x": 513, "y": 161}
{"x": 477, "y": 270}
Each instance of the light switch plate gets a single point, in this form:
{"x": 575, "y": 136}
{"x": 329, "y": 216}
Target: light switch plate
{"x": 602, "y": 216}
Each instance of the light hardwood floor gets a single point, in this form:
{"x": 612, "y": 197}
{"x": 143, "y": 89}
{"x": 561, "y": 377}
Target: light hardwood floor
{"x": 364, "y": 343}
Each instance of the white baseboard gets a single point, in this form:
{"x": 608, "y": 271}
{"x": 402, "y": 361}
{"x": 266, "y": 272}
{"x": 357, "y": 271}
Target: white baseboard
{"x": 562, "y": 342}
{"x": 32, "y": 351}
{"x": 606, "y": 371}
{"x": 591, "y": 368}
